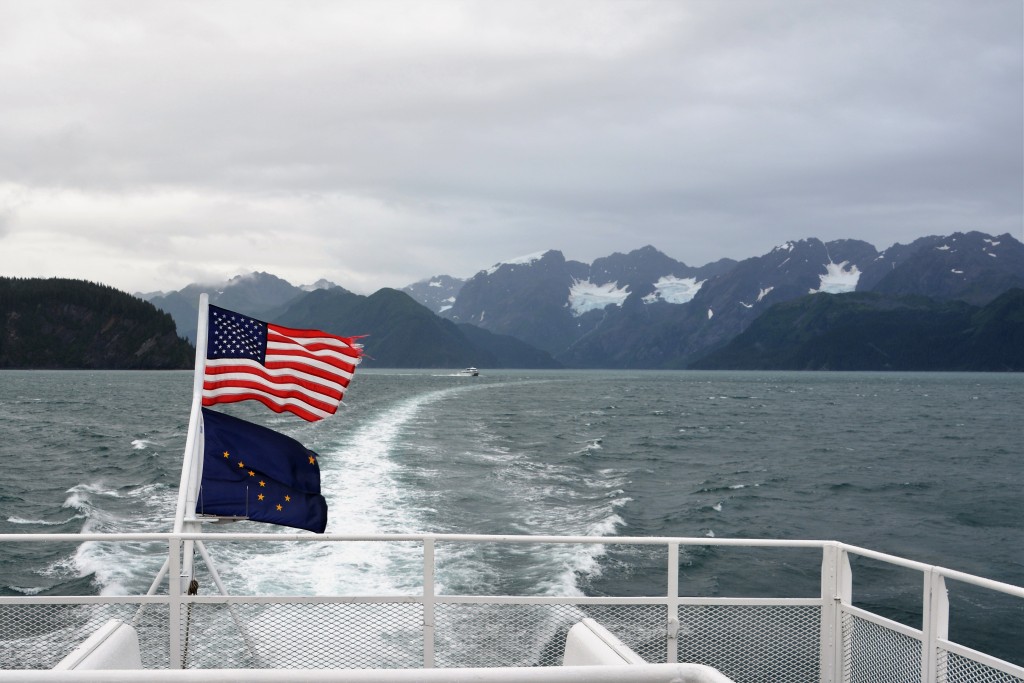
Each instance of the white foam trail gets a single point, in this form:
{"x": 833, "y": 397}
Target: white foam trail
{"x": 357, "y": 478}
{"x": 42, "y": 522}
{"x": 118, "y": 569}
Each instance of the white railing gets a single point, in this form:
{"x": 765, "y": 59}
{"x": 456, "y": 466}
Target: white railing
{"x": 823, "y": 637}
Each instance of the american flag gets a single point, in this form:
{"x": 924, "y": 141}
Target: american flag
{"x": 304, "y": 372}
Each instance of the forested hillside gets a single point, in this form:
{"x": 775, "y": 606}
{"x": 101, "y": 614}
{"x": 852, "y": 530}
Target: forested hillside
{"x": 871, "y": 331}
{"x": 59, "y": 323}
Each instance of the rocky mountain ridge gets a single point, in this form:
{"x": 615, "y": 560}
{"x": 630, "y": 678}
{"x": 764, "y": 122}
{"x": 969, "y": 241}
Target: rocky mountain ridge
{"x": 642, "y": 309}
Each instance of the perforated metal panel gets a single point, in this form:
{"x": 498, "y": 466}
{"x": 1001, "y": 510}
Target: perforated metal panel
{"x": 644, "y": 628}
{"x": 873, "y": 653}
{"x": 486, "y": 634}
{"x": 305, "y": 635}
{"x": 752, "y": 642}
{"x": 39, "y": 636}
{"x": 956, "y": 669}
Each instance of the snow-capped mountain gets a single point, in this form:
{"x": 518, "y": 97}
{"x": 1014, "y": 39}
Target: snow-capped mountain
{"x": 257, "y": 294}
{"x": 661, "y": 334}
{"x": 645, "y": 309}
{"x": 436, "y": 293}
{"x": 550, "y": 302}
{"x": 972, "y": 267}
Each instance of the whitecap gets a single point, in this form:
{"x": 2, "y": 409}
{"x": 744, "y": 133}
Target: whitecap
{"x": 43, "y": 522}
{"x": 95, "y": 489}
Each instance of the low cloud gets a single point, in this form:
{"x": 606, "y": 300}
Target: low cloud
{"x": 380, "y": 143}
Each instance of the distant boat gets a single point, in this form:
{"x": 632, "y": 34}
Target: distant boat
{"x": 470, "y": 372}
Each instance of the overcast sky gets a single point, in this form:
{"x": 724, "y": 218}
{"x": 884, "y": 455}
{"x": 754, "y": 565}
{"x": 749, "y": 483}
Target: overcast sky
{"x": 148, "y": 145}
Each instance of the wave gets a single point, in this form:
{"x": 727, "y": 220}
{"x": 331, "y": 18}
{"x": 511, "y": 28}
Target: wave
{"x": 591, "y": 446}
{"x": 43, "y": 522}
{"x": 726, "y": 487}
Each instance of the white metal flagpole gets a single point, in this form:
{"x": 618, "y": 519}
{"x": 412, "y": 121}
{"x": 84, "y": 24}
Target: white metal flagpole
{"x": 192, "y": 461}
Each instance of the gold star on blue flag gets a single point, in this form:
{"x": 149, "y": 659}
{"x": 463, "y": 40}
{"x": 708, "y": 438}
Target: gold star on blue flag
{"x": 254, "y": 472}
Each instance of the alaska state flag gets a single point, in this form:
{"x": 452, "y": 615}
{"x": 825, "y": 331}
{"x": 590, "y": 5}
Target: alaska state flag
{"x": 252, "y": 471}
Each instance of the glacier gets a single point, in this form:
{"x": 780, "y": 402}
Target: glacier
{"x": 674, "y": 290}
{"x": 585, "y": 296}
{"x": 837, "y": 279}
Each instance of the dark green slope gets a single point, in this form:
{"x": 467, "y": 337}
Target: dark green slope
{"x": 508, "y": 352}
{"x": 73, "y": 324}
{"x": 995, "y": 340}
{"x": 869, "y": 331}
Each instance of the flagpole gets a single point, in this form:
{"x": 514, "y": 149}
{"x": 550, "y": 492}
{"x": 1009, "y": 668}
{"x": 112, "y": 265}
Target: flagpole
{"x": 192, "y": 461}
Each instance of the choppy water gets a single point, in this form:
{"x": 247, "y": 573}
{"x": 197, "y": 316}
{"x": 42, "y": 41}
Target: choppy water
{"x": 926, "y": 466}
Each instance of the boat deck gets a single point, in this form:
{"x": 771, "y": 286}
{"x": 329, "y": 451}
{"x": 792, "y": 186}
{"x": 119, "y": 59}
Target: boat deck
{"x": 823, "y": 637}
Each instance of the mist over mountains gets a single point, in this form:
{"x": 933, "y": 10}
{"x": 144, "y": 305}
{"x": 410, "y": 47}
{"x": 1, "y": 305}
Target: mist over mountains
{"x": 643, "y": 309}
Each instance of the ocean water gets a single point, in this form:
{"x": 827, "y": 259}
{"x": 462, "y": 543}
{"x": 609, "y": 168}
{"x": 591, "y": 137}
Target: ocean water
{"x": 925, "y": 466}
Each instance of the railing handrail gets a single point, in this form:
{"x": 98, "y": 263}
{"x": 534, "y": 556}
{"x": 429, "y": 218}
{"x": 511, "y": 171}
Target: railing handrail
{"x": 835, "y": 599}
{"x": 165, "y": 537}
{"x": 156, "y": 536}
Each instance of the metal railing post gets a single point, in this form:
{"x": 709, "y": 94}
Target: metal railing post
{"x": 935, "y": 623}
{"x": 428, "y": 603}
{"x": 672, "y": 641}
{"x": 836, "y": 589}
{"x": 174, "y": 604}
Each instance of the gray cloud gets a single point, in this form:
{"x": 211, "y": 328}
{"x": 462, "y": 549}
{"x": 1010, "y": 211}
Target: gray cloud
{"x": 379, "y": 143}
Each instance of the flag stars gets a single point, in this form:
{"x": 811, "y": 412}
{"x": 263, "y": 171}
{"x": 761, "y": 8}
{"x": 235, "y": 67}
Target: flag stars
{"x": 233, "y": 335}
{"x": 251, "y": 473}
{"x": 279, "y": 507}
{"x": 287, "y": 499}
{"x": 226, "y": 454}
{"x": 241, "y": 464}
{"x": 259, "y": 497}
{"x": 263, "y": 483}
{"x": 312, "y": 460}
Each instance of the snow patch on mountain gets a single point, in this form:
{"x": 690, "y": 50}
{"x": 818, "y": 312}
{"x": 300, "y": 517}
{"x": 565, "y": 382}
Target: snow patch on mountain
{"x": 518, "y": 261}
{"x": 674, "y": 290}
{"x": 446, "y": 304}
{"x": 838, "y": 279}
{"x": 586, "y": 296}
{"x": 765, "y": 291}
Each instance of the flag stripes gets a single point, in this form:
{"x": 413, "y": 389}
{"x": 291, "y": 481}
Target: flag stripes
{"x": 305, "y": 372}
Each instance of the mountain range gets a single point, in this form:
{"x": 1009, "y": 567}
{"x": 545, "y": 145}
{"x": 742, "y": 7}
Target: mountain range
{"x": 643, "y": 309}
